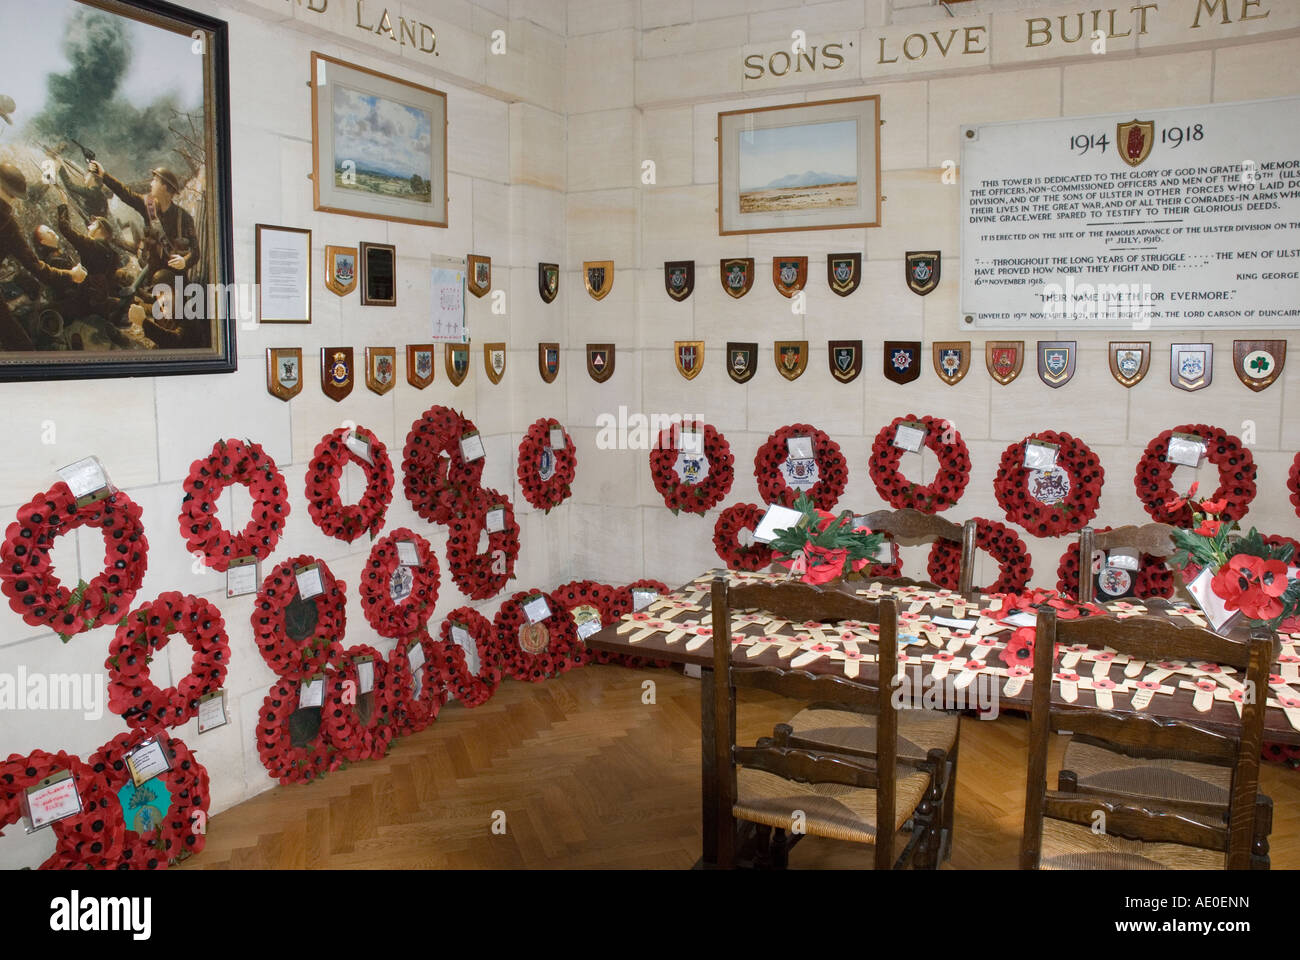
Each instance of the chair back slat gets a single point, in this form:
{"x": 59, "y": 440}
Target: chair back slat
{"x": 802, "y": 685}
{"x": 795, "y": 601}
{"x": 1148, "y": 735}
{"x": 1126, "y": 817}
{"x": 1155, "y": 638}
{"x": 806, "y": 766}
{"x": 909, "y": 524}
{"x": 1152, "y": 538}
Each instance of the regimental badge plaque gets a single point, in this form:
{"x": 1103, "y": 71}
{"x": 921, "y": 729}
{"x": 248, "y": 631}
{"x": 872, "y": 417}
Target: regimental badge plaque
{"x": 742, "y": 361}
{"x": 600, "y": 361}
{"x": 791, "y": 358}
{"x": 679, "y": 278}
{"x": 1056, "y": 360}
{"x": 902, "y": 360}
{"x": 737, "y": 276}
{"x": 1258, "y": 362}
{"x": 598, "y": 276}
{"x": 336, "y": 372}
{"x": 1004, "y": 359}
{"x": 494, "y": 361}
{"x": 1134, "y": 140}
{"x": 845, "y": 359}
{"x": 284, "y": 372}
{"x": 843, "y": 272}
{"x": 340, "y": 269}
{"x": 381, "y": 368}
{"x": 922, "y": 271}
{"x": 789, "y": 274}
{"x": 479, "y": 270}
{"x": 951, "y": 360}
{"x": 1191, "y": 365}
{"x": 690, "y": 357}
{"x": 456, "y": 361}
{"x": 548, "y": 281}
{"x": 548, "y": 361}
{"x": 1129, "y": 361}
{"x": 419, "y": 364}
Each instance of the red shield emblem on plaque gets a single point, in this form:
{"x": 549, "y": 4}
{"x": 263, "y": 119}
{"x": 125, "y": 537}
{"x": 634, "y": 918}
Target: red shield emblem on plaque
{"x": 1004, "y": 359}
{"x": 1134, "y": 140}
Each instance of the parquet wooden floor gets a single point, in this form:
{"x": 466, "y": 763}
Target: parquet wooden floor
{"x": 589, "y": 776}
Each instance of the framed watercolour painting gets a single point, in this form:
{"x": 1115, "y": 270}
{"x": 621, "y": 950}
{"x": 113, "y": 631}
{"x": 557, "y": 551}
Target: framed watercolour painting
{"x": 379, "y": 145}
{"x": 805, "y": 166}
{"x": 115, "y": 211}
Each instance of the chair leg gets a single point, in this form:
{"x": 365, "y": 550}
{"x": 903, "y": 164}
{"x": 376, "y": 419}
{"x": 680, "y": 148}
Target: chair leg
{"x": 1259, "y": 859}
{"x": 780, "y": 849}
{"x": 950, "y": 796}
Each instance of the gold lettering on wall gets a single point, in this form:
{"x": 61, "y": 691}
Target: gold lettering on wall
{"x": 804, "y": 60}
{"x": 413, "y": 33}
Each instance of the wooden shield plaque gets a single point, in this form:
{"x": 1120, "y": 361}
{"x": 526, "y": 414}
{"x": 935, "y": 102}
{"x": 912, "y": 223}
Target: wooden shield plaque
{"x": 419, "y": 364}
{"x": 284, "y": 372}
{"x": 336, "y": 372}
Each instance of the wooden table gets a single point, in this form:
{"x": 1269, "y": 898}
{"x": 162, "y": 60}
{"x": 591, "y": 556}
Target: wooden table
{"x": 691, "y": 605}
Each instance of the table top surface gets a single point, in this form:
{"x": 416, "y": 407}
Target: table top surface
{"x": 968, "y": 662}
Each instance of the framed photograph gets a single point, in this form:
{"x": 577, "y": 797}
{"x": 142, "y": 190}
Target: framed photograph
{"x": 116, "y": 243}
{"x": 806, "y": 166}
{"x": 379, "y": 144}
{"x": 283, "y": 274}
{"x": 378, "y": 274}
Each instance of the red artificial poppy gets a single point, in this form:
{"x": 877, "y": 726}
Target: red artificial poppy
{"x": 230, "y": 462}
{"x": 433, "y": 469}
{"x": 544, "y": 472}
{"x": 692, "y": 496}
{"x": 726, "y": 531}
{"x": 350, "y": 521}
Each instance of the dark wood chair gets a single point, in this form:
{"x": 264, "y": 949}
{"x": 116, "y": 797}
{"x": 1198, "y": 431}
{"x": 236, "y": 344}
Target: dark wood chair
{"x": 1152, "y": 538}
{"x": 863, "y": 800}
{"x": 1143, "y": 832}
{"x": 912, "y": 526}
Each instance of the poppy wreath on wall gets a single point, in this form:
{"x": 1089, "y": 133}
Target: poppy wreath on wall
{"x": 419, "y": 694}
{"x": 1293, "y": 484}
{"x": 1052, "y": 501}
{"x": 285, "y": 760}
{"x": 545, "y": 472}
{"x": 469, "y": 687}
{"x": 690, "y": 482}
{"x": 827, "y": 469}
{"x": 432, "y": 464}
{"x": 231, "y": 462}
{"x": 994, "y": 538}
{"x": 480, "y": 575}
{"x": 398, "y": 599}
{"x": 27, "y": 572}
{"x": 346, "y": 522}
{"x": 1154, "y": 476}
{"x": 593, "y": 606}
{"x": 159, "y": 815}
{"x": 362, "y": 729}
{"x": 535, "y": 651}
{"x": 726, "y": 537}
{"x": 132, "y": 694}
{"x": 625, "y": 602}
{"x": 93, "y": 838}
{"x": 950, "y": 478}
{"x": 299, "y": 636}
{"x": 1153, "y": 579}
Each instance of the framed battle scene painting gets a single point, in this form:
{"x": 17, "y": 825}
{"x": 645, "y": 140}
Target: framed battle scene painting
{"x": 379, "y": 145}
{"x": 805, "y": 166}
{"x": 115, "y": 210}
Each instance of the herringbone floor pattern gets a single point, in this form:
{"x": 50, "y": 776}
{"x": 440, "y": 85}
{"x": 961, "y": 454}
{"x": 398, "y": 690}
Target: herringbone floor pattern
{"x": 589, "y": 776}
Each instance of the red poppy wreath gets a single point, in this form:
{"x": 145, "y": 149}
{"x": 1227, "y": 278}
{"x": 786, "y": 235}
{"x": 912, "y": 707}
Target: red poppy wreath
{"x": 1153, "y": 579}
{"x": 398, "y": 599}
{"x": 537, "y": 650}
{"x": 153, "y": 839}
{"x": 231, "y": 462}
{"x": 417, "y": 687}
{"x": 545, "y": 472}
{"x": 132, "y": 694}
{"x": 1154, "y": 477}
{"x": 781, "y": 478}
{"x": 1293, "y": 484}
{"x": 347, "y": 522}
{"x": 688, "y": 481}
{"x": 481, "y": 575}
{"x": 950, "y": 479}
{"x": 731, "y": 523}
{"x": 452, "y": 662}
{"x": 27, "y": 572}
{"x": 432, "y": 463}
{"x": 1052, "y": 501}
{"x": 296, "y": 635}
{"x": 362, "y": 728}
{"x": 312, "y": 755}
{"x": 996, "y": 539}
{"x": 593, "y": 606}
{"x": 93, "y": 838}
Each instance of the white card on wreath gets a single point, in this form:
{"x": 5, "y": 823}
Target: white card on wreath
{"x": 496, "y": 520}
{"x": 908, "y": 437}
{"x": 85, "y": 478}
{"x": 407, "y": 554}
{"x": 471, "y": 447}
{"x": 147, "y": 761}
{"x": 799, "y": 448}
{"x": 358, "y": 445}
{"x": 690, "y": 442}
{"x": 776, "y": 518}
{"x": 1211, "y": 603}
{"x": 212, "y": 711}
{"x": 460, "y": 636}
{"x": 54, "y": 798}
{"x": 537, "y": 610}
{"x": 311, "y": 693}
{"x": 415, "y": 656}
{"x": 365, "y": 676}
{"x": 643, "y": 598}
{"x": 309, "y": 581}
{"x": 1040, "y": 455}
{"x": 557, "y": 438}
{"x": 1186, "y": 450}
{"x": 1124, "y": 558}
{"x": 243, "y": 576}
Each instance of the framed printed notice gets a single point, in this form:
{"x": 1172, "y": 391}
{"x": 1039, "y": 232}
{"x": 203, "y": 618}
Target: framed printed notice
{"x": 283, "y": 274}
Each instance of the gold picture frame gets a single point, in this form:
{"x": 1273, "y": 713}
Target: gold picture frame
{"x": 304, "y": 246}
{"x": 377, "y": 271}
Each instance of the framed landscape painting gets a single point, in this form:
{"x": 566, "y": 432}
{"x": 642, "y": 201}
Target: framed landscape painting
{"x": 379, "y": 145}
{"x": 115, "y": 215}
{"x": 805, "y": 166}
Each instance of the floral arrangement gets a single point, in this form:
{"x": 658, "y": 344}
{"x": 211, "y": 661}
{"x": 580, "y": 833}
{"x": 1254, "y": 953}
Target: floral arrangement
{"x": 535, "y": 453}
{"x": 416, "y": 711}
{"x": 832, "y": 468}
{"x": 432, "y": 465}
{"x": 297, "y": 637}
{"x": 692, "y": 496}
{"x": 950, "y": 479}
{"x": 356, "y": 736}
{"x": 480, "y": 575}
{"x": 536, "y": 652}
{"x": 726, "y": 531}
{"x": 996, "y": 539}
{"x": 399, "y": 619}
{"x": 284, "y": 761}
{"x": 823, "y": 547}
{"x": 1293, "y": 483}
{"x": 230, "y": 462}
{"x": 1052, "y": 503}
{"x": 471, "y": 689}
{"x": 348, "y": 522}
{"x": 1153, "y": 479}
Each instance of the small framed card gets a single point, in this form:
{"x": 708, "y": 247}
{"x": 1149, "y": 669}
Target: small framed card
{"x": 799, "y": 448}
{"x": 537, "y": 609}
{"x": 54, "y": 798}
{"x": 909, "y": 436}
{"x": 643, "y": 598}
{"x": 776, "y": 518}
{"x": 365, "y": 674}
{"x": 691, "y": 442}
{"x": 243, "y": 576}
{"x": 460, "y": 636}
{"x": 589, "y": 627}
{"x": 557, "y": 438}
{"x": 407, "y": 554}
{"x": 1021, "y": 618}
{"x": 1220, "y": 618}
{"x": 1186, "y": 450}
{"x": 309, "y": 581}
{"x": 311, "y": 693}
{"x": 147, "y": 761}
{"x": 471, "y": 447}
{"x": 1040, "y": 455}
{"x": 1124, "y": 558}
{"x": 496, "y": 520}
{"x": 212, "y": 711}
{"x": 415, "y": 657}
{"x": 87, "y": 479}
{"x": 358, "y": 445}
